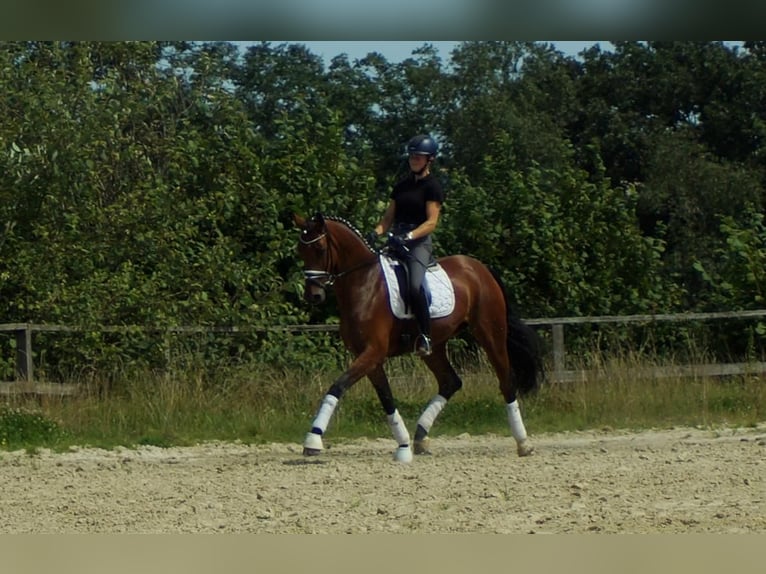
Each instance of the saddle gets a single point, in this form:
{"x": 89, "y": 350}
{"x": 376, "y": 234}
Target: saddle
{"x": 438, "y": 287}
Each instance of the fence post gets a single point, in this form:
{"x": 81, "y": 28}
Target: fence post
{"x": 558, "y": 350}
{"x": 24, "y": 364}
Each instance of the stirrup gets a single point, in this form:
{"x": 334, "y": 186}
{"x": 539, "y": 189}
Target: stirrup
{"x": 423, "y": 346}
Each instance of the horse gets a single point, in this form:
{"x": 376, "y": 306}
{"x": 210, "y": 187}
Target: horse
{"x": 334, "y": 253}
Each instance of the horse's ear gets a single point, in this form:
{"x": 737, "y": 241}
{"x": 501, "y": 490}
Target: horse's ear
{"x": 319, "y": 218}
{"x": 299, "y": 221}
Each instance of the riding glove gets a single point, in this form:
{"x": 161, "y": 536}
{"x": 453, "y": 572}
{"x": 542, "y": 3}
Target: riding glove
{"x": 398, "y": 242}
{"x": 371, "y": 238}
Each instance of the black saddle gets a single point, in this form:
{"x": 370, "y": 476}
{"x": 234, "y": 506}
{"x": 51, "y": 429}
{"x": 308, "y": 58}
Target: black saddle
{"x": 403, "y": 278}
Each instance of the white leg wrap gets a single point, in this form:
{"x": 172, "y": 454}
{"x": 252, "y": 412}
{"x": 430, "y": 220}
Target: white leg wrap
{"x": 514, "y": 420}
{"x": 326, "y": 409}
{"x": 398, "y": 429}
{"x": 313, "y": 442}
{"x": 431, "y": 412}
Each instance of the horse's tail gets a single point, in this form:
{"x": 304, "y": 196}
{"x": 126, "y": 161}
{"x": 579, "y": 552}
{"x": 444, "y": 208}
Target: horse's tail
{"x": 524, "y": 349}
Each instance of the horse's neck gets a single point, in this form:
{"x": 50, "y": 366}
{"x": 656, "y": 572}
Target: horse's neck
{"x": 350, "y": 248}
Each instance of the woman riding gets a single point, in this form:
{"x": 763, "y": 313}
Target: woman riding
{"x": 412, "y": 215}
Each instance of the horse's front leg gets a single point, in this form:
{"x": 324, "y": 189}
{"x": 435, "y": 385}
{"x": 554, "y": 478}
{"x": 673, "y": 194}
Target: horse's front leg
{"x": 379, "y": 381}
{"x": 449, "y": 383}
{"x": 361, "y": 366}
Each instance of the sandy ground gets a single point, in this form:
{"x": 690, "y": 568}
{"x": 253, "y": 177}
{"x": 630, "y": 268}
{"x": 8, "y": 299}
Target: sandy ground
{"x": 681, "y": 480}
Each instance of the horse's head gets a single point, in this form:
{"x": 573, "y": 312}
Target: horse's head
{"x": 314, "y": 250}
{"x": 331, "y": 248}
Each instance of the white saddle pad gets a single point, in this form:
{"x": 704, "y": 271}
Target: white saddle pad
{"x": 439, "y": 284}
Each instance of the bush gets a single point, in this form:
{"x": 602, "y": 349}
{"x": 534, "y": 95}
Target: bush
{"x": 20, "y": 427}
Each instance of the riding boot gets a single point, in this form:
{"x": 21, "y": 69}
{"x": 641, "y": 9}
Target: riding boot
{"x": 420, "y": 310}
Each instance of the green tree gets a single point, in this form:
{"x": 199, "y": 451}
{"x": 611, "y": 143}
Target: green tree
{"x": 565, "y": 245}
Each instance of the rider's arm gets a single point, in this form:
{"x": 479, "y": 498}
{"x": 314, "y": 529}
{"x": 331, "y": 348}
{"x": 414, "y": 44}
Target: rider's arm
{"x": 433, "y": 208}
{"x": 387, "y": 219}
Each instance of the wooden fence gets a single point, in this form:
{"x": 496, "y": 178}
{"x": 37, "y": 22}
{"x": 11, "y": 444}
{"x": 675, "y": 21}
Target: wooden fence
{"x": 23, "y": 332}
{"x": 562, "y": 374}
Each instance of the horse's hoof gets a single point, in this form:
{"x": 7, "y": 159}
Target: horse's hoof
{"x": 525, "y": 449}
{"x": 312, "y": 445}
{"x": 422, "y": 446}
{"x": 403, "y": 454}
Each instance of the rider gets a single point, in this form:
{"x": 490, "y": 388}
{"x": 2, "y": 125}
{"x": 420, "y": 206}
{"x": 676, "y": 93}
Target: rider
{"x": 412, "y": 215}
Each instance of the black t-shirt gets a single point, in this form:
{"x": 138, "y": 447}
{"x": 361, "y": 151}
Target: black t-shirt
{"x": 411, "y": 196}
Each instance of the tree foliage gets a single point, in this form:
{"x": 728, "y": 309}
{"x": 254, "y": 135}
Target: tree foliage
{"x": 150, "y": 183}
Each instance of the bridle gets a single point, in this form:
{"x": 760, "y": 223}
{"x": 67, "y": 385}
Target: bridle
{"x": 315, "y": 276}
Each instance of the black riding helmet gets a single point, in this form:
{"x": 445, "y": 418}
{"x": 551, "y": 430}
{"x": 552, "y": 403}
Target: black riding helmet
{"x": 422, "y": 145}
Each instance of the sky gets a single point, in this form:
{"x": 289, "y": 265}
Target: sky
{"x": 397, "y": 51}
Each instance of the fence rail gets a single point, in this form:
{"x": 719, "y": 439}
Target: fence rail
{"x": 23, "y": 333}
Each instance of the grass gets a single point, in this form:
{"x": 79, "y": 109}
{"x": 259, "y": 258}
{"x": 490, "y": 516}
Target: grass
{"x": 256, "y": 405}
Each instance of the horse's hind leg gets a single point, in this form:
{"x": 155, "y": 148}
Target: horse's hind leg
{"x": 449, "y": 383}
{"x": 380, "y": 383}
{"x": 497, "y": 353}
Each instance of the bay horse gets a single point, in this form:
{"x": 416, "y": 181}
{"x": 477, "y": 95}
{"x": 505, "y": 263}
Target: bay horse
{"x": 334, "y": 253}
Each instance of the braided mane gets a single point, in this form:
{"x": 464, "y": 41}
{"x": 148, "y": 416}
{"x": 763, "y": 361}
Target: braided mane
{"x": 350, "y": 225}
